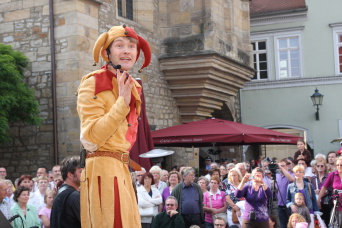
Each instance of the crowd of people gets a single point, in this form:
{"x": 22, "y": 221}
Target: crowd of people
{"x": 224, "y": 195}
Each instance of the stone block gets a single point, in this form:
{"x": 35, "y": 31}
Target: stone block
{"x": 64, "y": 7}
{"x": 6, "y": 27}
{"x": 17, "y": 15}
{"x": 44, "y": 50}
{"x": 186, "y": 5}
{"x": 44, "y": 138}
{"x": 180, "y": 18}
{"x": 46, "y": 10}
{"x": 41, "y": 66}
{"x": 11, "y": 6}
{"x": 65, "y": 31}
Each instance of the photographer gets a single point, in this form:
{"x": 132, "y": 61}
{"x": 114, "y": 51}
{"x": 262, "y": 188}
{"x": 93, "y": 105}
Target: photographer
{"x": 333, "y": 181}
{"x": 283, "y": 179}
{"x": 256, "y": 195}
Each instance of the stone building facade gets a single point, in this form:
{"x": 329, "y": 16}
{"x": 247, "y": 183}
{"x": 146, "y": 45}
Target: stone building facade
{"x": 201, "y": 58}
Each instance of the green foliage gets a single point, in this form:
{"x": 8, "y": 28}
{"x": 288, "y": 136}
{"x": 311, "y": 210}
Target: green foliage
{"x": 17, "y": 101}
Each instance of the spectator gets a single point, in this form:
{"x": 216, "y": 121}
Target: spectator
{"x": 65, "y": 210}
{"x": 331, "y": 159}
{"x": 302, "y": 152}
{"x": 234, "y": 180}
{"x": 56, "y": 169}
{"x": 157, "y": 172}
{"x": 9, "y": 195}
{"x": 169, "y": 218}
{"x": 318, "y": 182}
{"x": 3, "y": 173}
{"x": 203, "y": 183}
{"x": 234, "y": 161}
{"x": 190, "y": 199}
{"x": 306, "y": 188}
{"x": 174, "y": 179}
{"x": 252, "y": 165}
{"x": 242, "y": 168}
{"x": 38, "y": 199}
{"x": 57, "y": 181}
{"x": 258, "y": 162}
{"x": 301, "y": 208}
{"x": 139, "y": 176}
{"x": 264, "y": 166}
{"x": 294, "y": 219}
{"x": 27, "y": 212}
{"x": 164, "y": 175}
{"x": 219, "y": 222}
{"x": 273, "y": 222}
{"x": 248, "y": 167}
{"x": 25, "y": 180}
{"x": 207, "y": 163}
{"x": 148, "y": 200}
{"x": 41, "y": 171}
{"x": 320, "y": 156}
{"x": 230, "y": 166}
{"x": 214, "y": 201}
{"x": 5, "y": 206}
{"x": 333, "y": 181}
{"x": 256, "y": 195}
{"x": 224, "y": 161}
{"x": 291, "y": 163}
{"x": 307, "y": 170}
{"x": 45, "y": 212}
{"x": 284, "y": 178}
{"x": 223, "y": 172}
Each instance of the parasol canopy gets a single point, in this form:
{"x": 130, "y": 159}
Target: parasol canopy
{"x": 219, "y": 132}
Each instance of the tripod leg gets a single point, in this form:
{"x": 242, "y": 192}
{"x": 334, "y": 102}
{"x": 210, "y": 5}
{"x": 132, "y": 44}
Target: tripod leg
{"x": 333, "y": 214}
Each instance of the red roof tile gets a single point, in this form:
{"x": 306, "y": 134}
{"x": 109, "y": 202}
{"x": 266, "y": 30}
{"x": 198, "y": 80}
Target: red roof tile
{"x": 268, "y": 6}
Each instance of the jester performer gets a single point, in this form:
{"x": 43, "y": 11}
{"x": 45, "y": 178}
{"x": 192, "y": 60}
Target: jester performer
{"x": 109, "y": 106}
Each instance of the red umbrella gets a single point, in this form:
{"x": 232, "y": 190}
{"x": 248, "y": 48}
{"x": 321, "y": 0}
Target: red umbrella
{"x": 221, "y": 132}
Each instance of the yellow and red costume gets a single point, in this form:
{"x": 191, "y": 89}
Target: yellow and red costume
{"x": 108, "y": 127}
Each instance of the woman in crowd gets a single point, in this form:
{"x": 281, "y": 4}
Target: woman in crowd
{"x": 234, "y": 179}
{"x": 230, "y": 166}
{"x": 203, "y": 183}
{"x": 302, "y": 153}
{"x": 256, "y": 196}
{"x": 214, "y": 202}
{"x": 174, "y": 179}
{"x": 223, "y": 173}
{"x": 10, "y": 192}
{"x": 25, "y": 180}
{"x": 157, "y": 172}
{"x": 333, "y": 181}
{"x": 149, "y": 199}
{"x": 38, "y": 196}
{"x": 299, "y": 185}
{"x": 45, "y": 212}
{"x": 294, "y": 219}
{"x": 318, "y": 182}
{"x": 27, "y": 212}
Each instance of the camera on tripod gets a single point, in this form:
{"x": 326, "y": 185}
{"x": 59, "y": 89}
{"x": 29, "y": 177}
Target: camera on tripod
{"x": 272, "y": 166}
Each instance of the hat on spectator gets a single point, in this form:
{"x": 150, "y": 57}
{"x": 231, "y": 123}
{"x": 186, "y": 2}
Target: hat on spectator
{"x": 208, "y": 158}
{"x": 224, "y": 159}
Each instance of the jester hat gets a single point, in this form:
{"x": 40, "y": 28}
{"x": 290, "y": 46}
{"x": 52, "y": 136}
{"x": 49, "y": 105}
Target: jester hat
{"x": 105, "y": 39}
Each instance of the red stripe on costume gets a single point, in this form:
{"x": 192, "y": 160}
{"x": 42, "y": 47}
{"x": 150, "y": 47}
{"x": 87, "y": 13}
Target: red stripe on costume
{"x": 117, "y": 211}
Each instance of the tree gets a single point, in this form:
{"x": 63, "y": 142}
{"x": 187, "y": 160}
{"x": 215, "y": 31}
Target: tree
{"x": 17, "y": 101}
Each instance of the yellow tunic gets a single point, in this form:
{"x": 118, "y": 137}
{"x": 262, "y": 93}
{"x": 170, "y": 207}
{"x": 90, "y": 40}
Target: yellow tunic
{"x": 104, "y": 127}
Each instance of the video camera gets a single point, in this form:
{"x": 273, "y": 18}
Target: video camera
{"x": 272, "y": 166}
{"x": 336, "y": 191}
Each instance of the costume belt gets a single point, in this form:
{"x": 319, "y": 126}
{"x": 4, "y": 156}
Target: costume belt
{"x": 123, "y": 157}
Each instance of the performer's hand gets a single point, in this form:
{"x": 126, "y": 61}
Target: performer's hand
{"x": 125, "y": 86}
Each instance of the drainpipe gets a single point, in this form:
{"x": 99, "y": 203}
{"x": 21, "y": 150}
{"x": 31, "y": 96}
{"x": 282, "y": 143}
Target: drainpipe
{"x": 53, "y": 82}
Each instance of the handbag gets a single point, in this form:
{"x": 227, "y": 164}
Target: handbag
{"x": 234, "y": 217}
{"x": 222, "y": 214}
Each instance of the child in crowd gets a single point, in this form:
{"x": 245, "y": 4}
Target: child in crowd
{"x": 45, "y": 212}
{"x": 294, "y": 219}
{"x": 302, "y": 209}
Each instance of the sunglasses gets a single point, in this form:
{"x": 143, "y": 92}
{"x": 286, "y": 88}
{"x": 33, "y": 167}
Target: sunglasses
{"x": 320, "y": 166}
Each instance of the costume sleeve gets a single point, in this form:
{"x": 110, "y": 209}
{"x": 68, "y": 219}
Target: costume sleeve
{"x": 97, "y": 126}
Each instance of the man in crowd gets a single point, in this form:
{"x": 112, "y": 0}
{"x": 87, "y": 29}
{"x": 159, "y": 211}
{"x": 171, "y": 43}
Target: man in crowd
{"x": 282, "y": 181}
{"x": 3, "y": 173}
{"x": 5, "y": 206}
{"x": 219, "y": 222}
{"x": 56, "y": 169}
{"x": 207, "y": 163}
{"x": 139, "y": 176}
{"x": 169, "y": 218}
{"x": 190, "y": 198}
{"x": 164, "y": 175}
{"x": 242, "y": 168}
{"x": 65, "y": 211}
{"x": 331, "y": 159}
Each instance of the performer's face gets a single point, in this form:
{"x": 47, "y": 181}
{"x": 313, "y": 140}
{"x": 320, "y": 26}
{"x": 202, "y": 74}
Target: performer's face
{"x": 123, "y": 51}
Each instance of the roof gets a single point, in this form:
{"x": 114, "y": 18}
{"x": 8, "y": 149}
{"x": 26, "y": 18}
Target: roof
{"x": 273, "y": 6}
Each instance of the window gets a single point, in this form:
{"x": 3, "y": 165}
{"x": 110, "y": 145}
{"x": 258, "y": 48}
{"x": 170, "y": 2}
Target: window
{"x": 339, "y": 52}
{"x": 260, "y": 60}
{"x": 125, "y": 9}
{"x": 288, "y": 57}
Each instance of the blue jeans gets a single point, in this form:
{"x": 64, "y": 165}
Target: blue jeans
{"x": 209, "y": 225}
{"x": 283, "y": 216}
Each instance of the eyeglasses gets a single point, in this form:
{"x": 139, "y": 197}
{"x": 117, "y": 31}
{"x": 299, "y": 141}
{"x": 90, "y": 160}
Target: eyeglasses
{"x": 219, "y": 225}
{"x": 320, "y": 166}
{"x": 170, "y": 205}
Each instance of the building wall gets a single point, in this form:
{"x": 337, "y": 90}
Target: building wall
{"x": 286, "y": 103}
